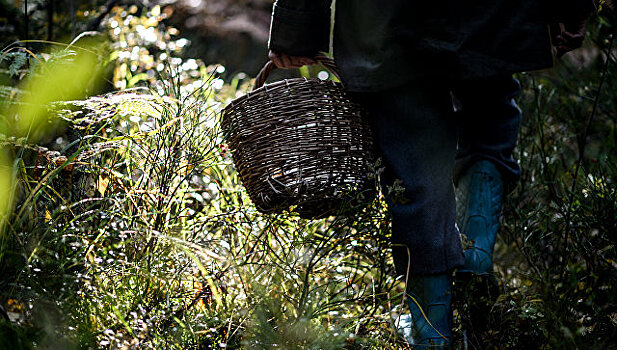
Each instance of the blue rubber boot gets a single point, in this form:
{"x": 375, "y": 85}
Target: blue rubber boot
{"x": 430, "y": 301}
{"x": 479, "y": 198}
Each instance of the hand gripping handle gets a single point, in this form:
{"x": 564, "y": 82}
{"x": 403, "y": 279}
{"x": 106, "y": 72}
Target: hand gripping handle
{"x": 270, "y": 66}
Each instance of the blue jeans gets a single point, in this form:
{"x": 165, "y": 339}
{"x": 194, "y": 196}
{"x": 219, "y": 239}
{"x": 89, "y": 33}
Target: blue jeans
{"x": 417, "y": 129}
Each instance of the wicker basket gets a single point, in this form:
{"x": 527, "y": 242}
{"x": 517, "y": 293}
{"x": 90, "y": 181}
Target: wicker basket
{"x": 300, "y": 142}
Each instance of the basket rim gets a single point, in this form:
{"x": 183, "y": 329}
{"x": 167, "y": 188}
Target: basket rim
{"x": 261, "y": 90}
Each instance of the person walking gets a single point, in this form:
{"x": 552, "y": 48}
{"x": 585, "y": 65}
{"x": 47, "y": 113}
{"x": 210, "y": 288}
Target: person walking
{"x": 436, "y": 81}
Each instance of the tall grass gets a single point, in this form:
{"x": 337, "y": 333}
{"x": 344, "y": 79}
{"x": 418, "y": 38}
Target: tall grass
{"x": 145, "y": 238}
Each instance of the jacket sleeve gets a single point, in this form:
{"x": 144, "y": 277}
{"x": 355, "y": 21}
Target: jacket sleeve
{"x": 300, "y": 27}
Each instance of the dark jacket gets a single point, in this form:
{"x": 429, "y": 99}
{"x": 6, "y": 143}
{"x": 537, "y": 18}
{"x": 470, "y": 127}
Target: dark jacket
{"x": 381, "y": 44}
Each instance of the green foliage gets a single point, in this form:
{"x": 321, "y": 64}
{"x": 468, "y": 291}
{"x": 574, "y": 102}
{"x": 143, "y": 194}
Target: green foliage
{"x": 17, "y": 61}
{"x": 140, "y": 228}
{"x": 162, "y": 248}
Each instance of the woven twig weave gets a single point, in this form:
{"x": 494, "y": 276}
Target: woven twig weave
{"x": 299, "y": 142}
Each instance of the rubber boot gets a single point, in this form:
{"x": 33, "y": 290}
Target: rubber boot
{"x": 429, "y": 325}
{"x": 479, "y": 199}
{"x": 479, "y": 196}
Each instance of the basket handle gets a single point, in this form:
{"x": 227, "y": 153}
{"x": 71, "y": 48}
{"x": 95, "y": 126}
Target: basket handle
{"x": 270, "y": 66}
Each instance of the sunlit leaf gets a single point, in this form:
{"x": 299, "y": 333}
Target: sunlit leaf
{"x": 68, "y": 78}
{"x": 6, "y": 186}
{"x": 103, "y": 183}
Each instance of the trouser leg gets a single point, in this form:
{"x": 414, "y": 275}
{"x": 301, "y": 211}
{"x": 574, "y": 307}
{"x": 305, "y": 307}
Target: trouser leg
{"x": 488, "y": 124}
{"x": 488, "y": 121}
{"x": 416, "y": 134}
